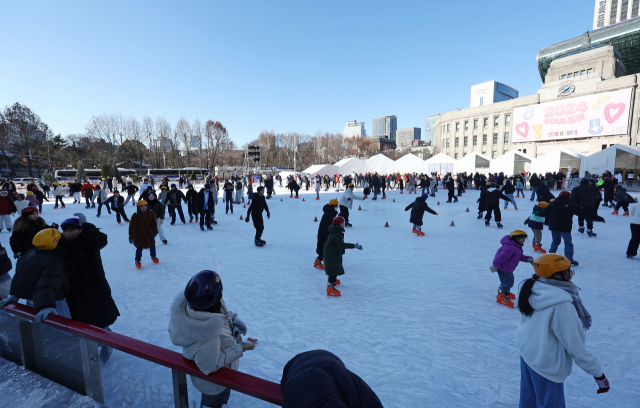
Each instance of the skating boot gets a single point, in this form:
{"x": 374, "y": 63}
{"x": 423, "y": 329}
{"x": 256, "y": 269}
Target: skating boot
{"x": 9, "y": 229}
{"x": 196, "y": 219}
{"x": 63, "y": 206}
{"x": 414, "y": 229}
{"x": 374, "y": 198}
{"x": 190, "y": 220}
{"x": 505, "y": 208}
{"x": 332, "y": 291}
{"x": 128, "y": 221}
{"x": 214, "y": 222}
{"x": 626, "y": 214}
{"x": 420, "y": 233}
{"x": 318, "y": 264}
{"x": 201, "y": 228}
{"x": 614, "y": 213}
{"x": 164, "y": 241}
{"x": 55, "y": 208}
{"x": 581, "y": 230}
{"x": 348, "y": 225}
{"x": 297, "y": 197}
{"x": 605, "y": 205}
{"x": 337, "y": 282}
{"x": 479, "y": 216}
{"x": 509, "y": 295}
{"x": 210, "y": 228}
{"x": 155, "y": 260}
{"x": 538, "y": 248}
{"x": 384, "y": 198}
{"x": 138, "y": 265}
{"x": 516, "y": 208}
{"x": 263, "y": 241}
{"x": 486, "y": 222}
{"x": 591, "y": 233}
{"x": 499, "y": 225}
{"x": 258, "y": 242}
{"x": 105, "y": 353}
{"x": 574, "y": 263}
{"x": 503, "y": 300}
{"x": 119, "y": 223}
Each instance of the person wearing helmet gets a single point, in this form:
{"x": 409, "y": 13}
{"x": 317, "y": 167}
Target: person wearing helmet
{"x": 346, "y": 203}
{"x": 42, "y": 277}
{"x": 7, "y": 207}
{"x": 258, "y": 205}
{"x": 333, "y": 249}
{"x": 560, "y": 214}
{"x": 536, "y": 223}
{"x": 586, "y": 197}
{"x": 551, "y": 336}
{"x": 143, "y": 228}
{"x": 31, "y": 198}
{"x": 418, "y": 207}
{"x": 210, "y": 335}
{"x": 174, "y": 199}
{"x": 25, "y": 229}
{"x": 622, "y": 200}
{"x": 329, "y": 212}
{"x": 492, "y": 197}
{"x": 505, "y": 262}
{"x": 58, "y": 193}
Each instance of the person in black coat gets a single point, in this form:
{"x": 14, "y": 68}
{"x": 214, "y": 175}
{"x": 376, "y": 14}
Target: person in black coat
{"x": 329, "y": 212}
{"x": 24, "y": 229}
{"x": 174, "y": 199}
{"x": 609, "y": 188}
{"x": 560, "y": 215}
{"x": 258, "y": 205}
{"x": 482, "y": 200}
{"x": 534, "y": 182}
{"x": 191, "y": 202}
{"x": 205, "y": 205}
{"x": 131, "y": 193}
{"x": 492, "y": 197}
{"x": 622, "y": 200}
{"x": 117, "y": 205}
{"x": 293, "y": 186}
{"x": 319, "y": 379}
{"x": 585, "y": 196}
{"x": 228, "y": 196}
{"x": 376, "y": 186}
{"x": 268, "y": 183}
{"x": 544, "y": 193}
{"x": 418, "y": 208}
{"x": 452, "y": 193}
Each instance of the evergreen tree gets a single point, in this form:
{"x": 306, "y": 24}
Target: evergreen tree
{"x": 193, "y": 175}
{"x": 106, "y": 170}
{"x": 80, "y": 173}
{"x": 48, "y": 177}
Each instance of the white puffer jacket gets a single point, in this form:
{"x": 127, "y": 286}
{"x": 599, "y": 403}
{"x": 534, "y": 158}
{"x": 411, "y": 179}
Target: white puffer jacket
{"x": 633, "y": 211}
{"x": 552, "y": 338}
{"x": 347, "y": 198}
{"x": 58, "y": 191}
{"x": 101, "y": 195}
{"x": 205, "y": 338}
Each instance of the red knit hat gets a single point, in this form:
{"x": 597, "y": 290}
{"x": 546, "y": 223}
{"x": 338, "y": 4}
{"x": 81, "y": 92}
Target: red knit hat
{"x": 565, "y": 193}
{"x": 338, "y": 220}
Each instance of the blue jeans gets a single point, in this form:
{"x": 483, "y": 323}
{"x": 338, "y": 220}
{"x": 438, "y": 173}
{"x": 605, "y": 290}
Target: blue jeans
{"x": 506, "y": 281}
{"x": 538, "y": 392}
{"x": 152, "y": 249}
{"x": 513, "y": 200}
{"x": 534, "y": 193}
{"x": 568, "y": 243}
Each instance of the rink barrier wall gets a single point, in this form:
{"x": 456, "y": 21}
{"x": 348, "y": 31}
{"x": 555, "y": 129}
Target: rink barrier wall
{"x": 32, "y": 353}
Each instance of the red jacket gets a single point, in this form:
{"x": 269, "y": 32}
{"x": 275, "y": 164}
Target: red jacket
{"x": 6, "y": 206}
{"x": 85, "y": 187}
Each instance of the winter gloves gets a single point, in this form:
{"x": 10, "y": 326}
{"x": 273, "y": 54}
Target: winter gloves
{"x": 493, "y": 269}
{"x": 131, "y": 241}
{"x": 358, "y": 246}
{"x": 603, "y": 384}
{"x": 44, "y": 313}
{"x": 55, "y": 226}
{"x": 247, "y": 219}
{"x": 239, "y": 328}
{"x": 8, "y": 300}
{"x": 268, "y": 215}
{"x": 81, "y": 217}
{"x": 17, "y": 255}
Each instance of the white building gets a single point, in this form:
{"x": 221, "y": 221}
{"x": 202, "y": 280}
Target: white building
{"x": 354, "y": 128}
{"x": 610, "y": 12}
{"x": 491, "y": 92}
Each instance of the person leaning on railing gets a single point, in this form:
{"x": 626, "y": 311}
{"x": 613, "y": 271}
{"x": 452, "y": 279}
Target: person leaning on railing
{"x": 208, "y": 333}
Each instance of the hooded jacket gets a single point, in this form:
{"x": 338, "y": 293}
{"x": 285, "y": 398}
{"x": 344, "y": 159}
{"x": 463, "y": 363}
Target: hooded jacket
{"x": 347, "y": 198}
{"x": 332, "y": 251}
{"x": 584, "y": 195}
{"x": 328, "y": 214}
{"x": 493, "y": 196}
{"x": 508, "y": 255}
{"x": 206, "y": 338}
{"x": 418, "y": 208}
{"x": 560, "y": 214}
{"x": 143, "y": 228}
{"x": 553, "y": 337}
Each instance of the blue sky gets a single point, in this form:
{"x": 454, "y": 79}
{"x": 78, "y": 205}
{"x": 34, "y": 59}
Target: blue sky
{"x": 279, "y": 65}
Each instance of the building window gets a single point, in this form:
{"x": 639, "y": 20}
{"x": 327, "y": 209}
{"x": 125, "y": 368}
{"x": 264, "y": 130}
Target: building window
{"x": 457, "y": 141}
{"x": 484, "y": 152}
{"x": 481, "y": 100}
{"x": 506, "y": 137}
{"x": 464, "y": 154}
{"x": 569, "y": 75}
{"x": 505, "y": 152}
{"x": 475, "y": 140}
{"x": 507, "y": 119}
{"x": 495, "y": 138}
{"x": 564, "y": 76}
{"x": 604, "y": 147}
{"x": 486, "y": 123}
{"x": 589, "y": 71}
{"x": 447, "y": 142}
{"x": 475, "y": 123}
{"x": 614, "y": 12}
{"x": 495, "y": 121}
{"x": 494, "y": 155}
{"x": 456, "y": 156}
{"x": 484, "y": 140}
{"x": 448, "y": 127}
{"x": 582, "y": 72}
{"x": 466, "y": 125}
{"x": 465, "y": 141}
{"x": 524, "y": 151}
{"x": 457, "y": 126}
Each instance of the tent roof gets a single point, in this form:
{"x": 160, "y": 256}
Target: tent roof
{"x": 343, "y": 161}
{"x": 409, "y": 163}
{"x": 380, "y": 164}
{"x": 351, "y": 165}
{"x": 441, "y": 158}
{"x": 564, "y": 150}
{"x": 322, "y": 169}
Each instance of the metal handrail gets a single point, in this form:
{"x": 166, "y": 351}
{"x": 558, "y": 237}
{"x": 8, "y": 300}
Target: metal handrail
{"x": 235, "y": 380}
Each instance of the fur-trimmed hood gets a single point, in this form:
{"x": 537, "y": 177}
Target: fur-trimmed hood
{"x": 190, "y": 326}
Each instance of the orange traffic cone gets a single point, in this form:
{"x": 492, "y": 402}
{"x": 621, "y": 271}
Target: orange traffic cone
{"x": 438, "y": 203}
{"x": 241, "y": 218}
{"x": 303, "y": 199}
{"x": 467, "y": 209}
{"x": 315, "y": 219}
{"x": 452, "y": 224}
{"x": 394, "y": 200}
{"x": 281, "y": 199}
{"x": 386, "y": 224}
{"x": 244, "y": 206}
{"x": 359, "y": 208}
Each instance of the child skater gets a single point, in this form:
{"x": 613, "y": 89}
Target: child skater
{"x": 143, "y": 228}
{"x": 506, "y": 261}
{"x": 329, "y": 212}
{"x": 536, "y": 223}
{"x": 249, "y": 193}
{"x": 418, "y": 208}
{"x": 318, "y": 185}
{"x": 482, "y": 200}
{"x": 332, "y": 251}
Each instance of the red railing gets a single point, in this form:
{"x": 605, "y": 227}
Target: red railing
{"x": 237, "y": 381}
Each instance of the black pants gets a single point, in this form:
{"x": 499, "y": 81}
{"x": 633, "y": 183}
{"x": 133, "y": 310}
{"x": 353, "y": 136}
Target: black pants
{"x": 258, "y": 224}
{"x": 632, "y": 249}
{"x": 100, "y": 207}
{"x": 172, "y": 212}
{"x": 589, "y": 220}
{"x": 496, "y": 211}
{"x": 452, "y": 195}
{"x": 344, "y": 212}
{"x": 205, "y": 218}
{"x": 623, "y": 204}
{"x": 61, "y": 202}
{"x": 120, "y": 212}
{"x": 229, "y": 204}
{"x": 88, "y": 201}
{"x": 558, "y": 184}
{"x": 215, "y": 401}
{"x": 192, "y": 212}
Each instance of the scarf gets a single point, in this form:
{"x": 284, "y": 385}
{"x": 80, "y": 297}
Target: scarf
{"x": 572, "y": 289}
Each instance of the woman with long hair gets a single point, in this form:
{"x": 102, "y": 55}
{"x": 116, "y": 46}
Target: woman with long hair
{"x": 24, "y": 229}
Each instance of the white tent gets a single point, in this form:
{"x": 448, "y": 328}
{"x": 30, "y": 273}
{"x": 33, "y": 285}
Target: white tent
{"x": 380, "y": 164}
{"x": 615, "y": 158}
{"x": 472, "y": 163}
{"x": 321, "y": 169}
{"x": 440, "y": 163}
{"x": 409, "y": 163}
{"x": 511, "y": 163}
{"x": 351, "y": 165}
{"x": 560, "y": 159}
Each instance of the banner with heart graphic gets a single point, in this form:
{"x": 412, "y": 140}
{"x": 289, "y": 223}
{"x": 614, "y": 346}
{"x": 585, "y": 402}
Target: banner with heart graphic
{"x": 603, "y": 114}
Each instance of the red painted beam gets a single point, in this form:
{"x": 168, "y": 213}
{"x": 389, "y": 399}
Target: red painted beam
{"x": 237, "y": 381}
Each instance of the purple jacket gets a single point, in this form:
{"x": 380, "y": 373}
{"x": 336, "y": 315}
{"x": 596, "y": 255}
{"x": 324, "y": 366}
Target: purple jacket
{"x": 508, "y": 256}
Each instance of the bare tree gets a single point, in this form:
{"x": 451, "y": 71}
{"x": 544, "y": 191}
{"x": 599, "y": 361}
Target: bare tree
{"x": 183, "y": 133}
{"x": 148, "y": 135}
{"x": 105, "y": 128}
{"x": 218, "y": 143}
{"x": 163, "y": 139}
{"x": 197, "y": 130}
{"x": 134, "y": 131}
{"x": 27, "y": 132}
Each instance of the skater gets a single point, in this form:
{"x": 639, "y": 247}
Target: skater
{"x": 87, "y": 192}
{"x": 452, "y": 193}
{"x": 25, "y": 229}
{"x": 40, "y": 198}
{"x": 560, "y": 215}
{"x": 209, "y": 334}
{"x": 519, "y": 188}
{"x": 206, "y": 201}
{"x": 506, "y": 261}
{"x": 142, "y": 230}
{"x": 418, "y": 208}
{"x": 535, "y": 183}
{"x": 7, "y": 208}
{"x": 258, "y": 205}
{"x": 102, "y": 199}
{"x": 586, "y": 197}
{"x": 117, "y": 205}
{"x": 383, "y": 188}
{"x": 482, "y": 200}
{"x": 158, "y": 209}
{"x": 191, "y": 203}
{"x": 318, "y": 185}
{"x": 376, "y": 186}
{"x": 228, "y": 196}
{"x": 249, "y": 193}
{"x": 293, "y": 186}
{"x": 346, "y": 203}
{"x": 536, "y": 223}
{"x": 553, "y": 323}
{"x": 20, "y": 204}
{"x": 329, "y": 212}
{"x": 75, "y": 189}
{"x": 174, "y": 198}
{"x": 131, "y": 193}
{"x": 632, "y": 248}
{"x": 239, "y": 189}
{"x": 609, "y": 186}
{"x": 493, "y": 196}
{"x": 333, "y": 249}
{"x": 508, "y": 189}
{"x": 622, "y": 200}
{"x": 58, "y": 193}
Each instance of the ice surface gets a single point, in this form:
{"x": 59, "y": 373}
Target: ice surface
{"x": 417, "y": 319}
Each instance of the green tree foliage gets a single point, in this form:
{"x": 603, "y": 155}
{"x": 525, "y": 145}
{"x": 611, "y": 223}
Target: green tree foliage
{"x": 80, "y": 173}
{"x": 48, "y": 177}
{"x": 193, "y": 175}
{"x": 106, "y": 170}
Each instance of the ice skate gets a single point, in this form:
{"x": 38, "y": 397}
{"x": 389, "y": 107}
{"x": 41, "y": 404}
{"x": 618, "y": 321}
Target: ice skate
{"x": 538, "y": 248}
{"x": 502, "y": 299}
{"x": 258, "y": 243}
{"x": 318, "y": 264}
{"x": 626, "y": 214}
{"x": 119, "y": 223}
{"x": 486, "y": 222}
{"x": 509, "y": 295}
{"x": 337, "y": 281}
{"x": 479, "y": 216}
{"x": 499, "y": 225}
{"x": 581, "y": 230}
{"x": 201, "y": 228}
{"x": 263, "y": 241}
{"x": 591, "y": 233}
{"x": 210, "y": 228}
{"x": 384, "y": 198}
{"x": 515, "y": 208}
{"x": 420, "y": 233}
{"x": 414, "y": 229}
{"x": 614, "y": 213}
{"x": 505, "y": 208}
{"x": 138, "y": 265}
{"x": 164, "y": 241}
{"x": 346, "y": 224}
{"x": 55, "y": 208}
{"x": 332, "y": 291}
{"x": 574, "y": 263}
{"x": 155, "y": 260}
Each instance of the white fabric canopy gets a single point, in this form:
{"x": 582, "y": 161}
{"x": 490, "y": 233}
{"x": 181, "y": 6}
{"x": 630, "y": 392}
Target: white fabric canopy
{"x": 321, "y": 169}
{"x": 380, "y": 164}
{"x": 440, "y": 163}
{"x": 511, "y": 163}
{"x": 472, "y": 163}
{"x": 351, "y": 165}
{"x": 558, "y": 159}
{"x": 409, "y": 163}
{"x": 613, "y": 158}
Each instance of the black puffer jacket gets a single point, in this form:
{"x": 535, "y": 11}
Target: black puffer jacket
{"x": 493, "y": 196}
{"x": 584, "y": 195}
{"x": 319, "y": 379}
{"x": 560, "y": 214}
{"x": 418, "y": 208}
{"x": 328, "y": 214}
{"x": 621, "y": 195}
{"x": 41, "y": 276}
{"x": 89, "y": 296}
{"x": 21, "y": 241}
{"x": 508, "y": 188}
{"x": 157, "y": 208}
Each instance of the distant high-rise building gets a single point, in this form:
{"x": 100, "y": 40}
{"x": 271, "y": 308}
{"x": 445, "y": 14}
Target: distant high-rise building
{"x": 405, "y": 137}
{"x": 429, "y": 128}
{"x": 354, "y": 128}
{"x": 385, "y": 126}
{"x": 610, "y": 12}
{"x": 491, "y": 92}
